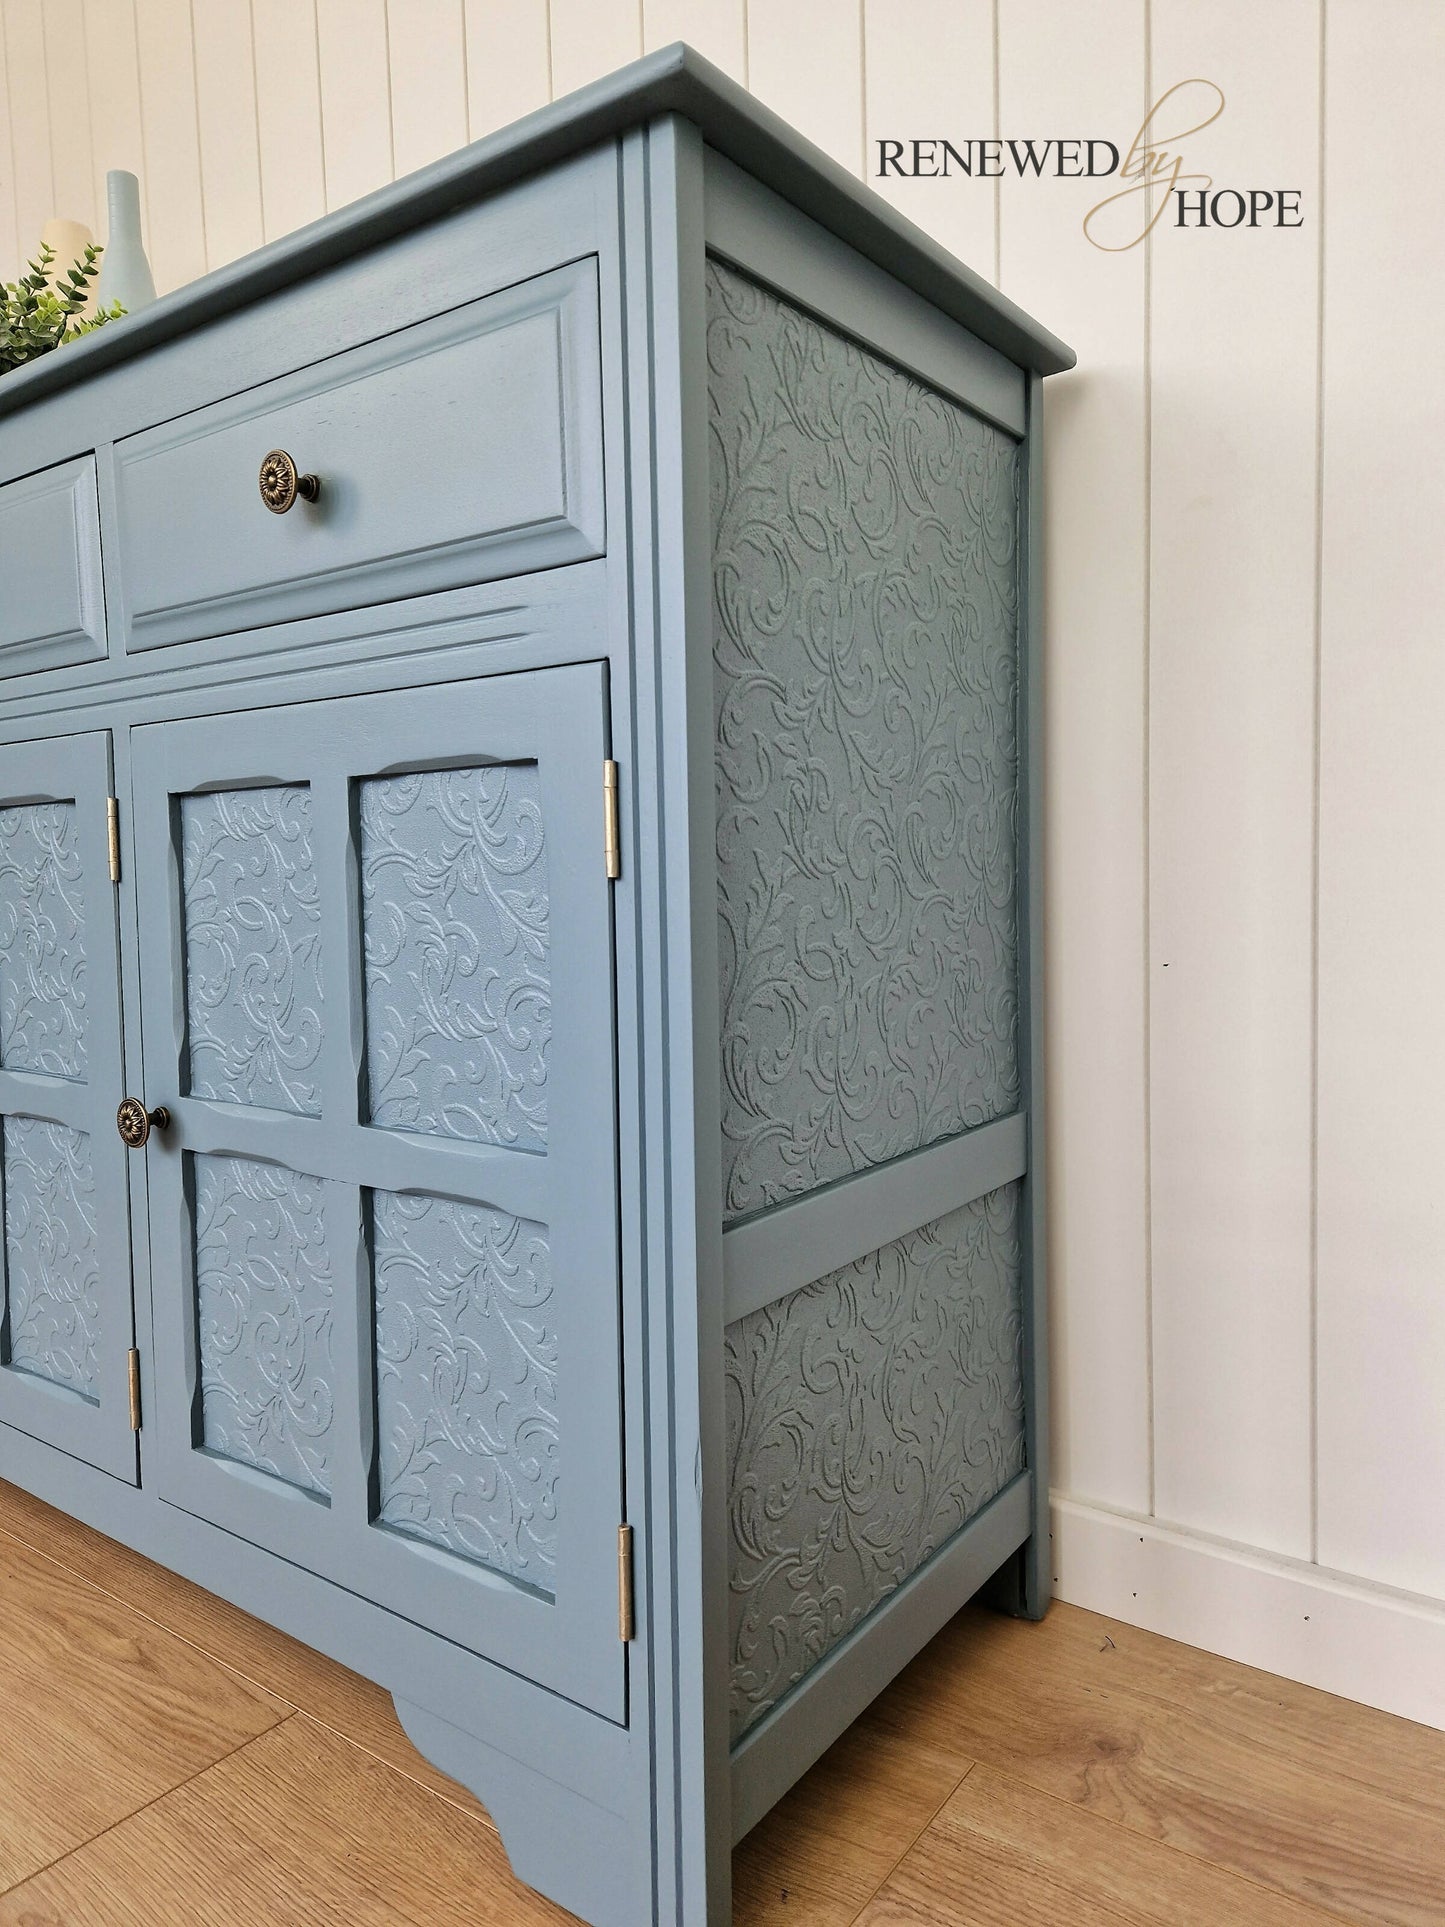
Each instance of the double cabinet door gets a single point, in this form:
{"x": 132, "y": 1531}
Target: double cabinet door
{"x": 377, "y": 1031}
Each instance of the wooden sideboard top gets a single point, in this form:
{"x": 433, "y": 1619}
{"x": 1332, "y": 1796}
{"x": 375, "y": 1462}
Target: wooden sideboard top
{"x": 675, "y": 80}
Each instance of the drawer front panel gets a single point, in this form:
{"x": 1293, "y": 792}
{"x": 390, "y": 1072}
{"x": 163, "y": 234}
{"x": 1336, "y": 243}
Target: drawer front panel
{"x": 52, "y": 612}
{"x": 376, "y": 943}
{"x": 466, "y": 448}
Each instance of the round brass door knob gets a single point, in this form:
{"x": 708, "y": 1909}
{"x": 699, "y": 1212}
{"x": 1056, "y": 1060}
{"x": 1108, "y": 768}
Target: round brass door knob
{"x": 135, "y": 1123}
{"x": 280, "y": 483}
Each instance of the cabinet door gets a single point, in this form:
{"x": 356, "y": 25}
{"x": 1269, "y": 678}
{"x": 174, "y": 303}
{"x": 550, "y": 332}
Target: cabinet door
{"x": 377, "y": 998}
{"x": 68, "y": 1326}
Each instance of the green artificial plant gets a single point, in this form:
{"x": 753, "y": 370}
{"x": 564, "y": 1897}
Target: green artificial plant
{"x": 37, "y": 316}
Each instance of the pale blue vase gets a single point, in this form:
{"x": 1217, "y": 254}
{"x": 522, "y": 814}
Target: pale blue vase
{"x": 125, "y": 274}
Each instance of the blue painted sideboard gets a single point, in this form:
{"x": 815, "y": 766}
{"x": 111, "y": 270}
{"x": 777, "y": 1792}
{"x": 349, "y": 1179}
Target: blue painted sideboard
{"x": 520, "y": 1122}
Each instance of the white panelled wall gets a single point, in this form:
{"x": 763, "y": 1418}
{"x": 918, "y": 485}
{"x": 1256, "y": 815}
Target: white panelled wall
{"x": 1246, "y": 696}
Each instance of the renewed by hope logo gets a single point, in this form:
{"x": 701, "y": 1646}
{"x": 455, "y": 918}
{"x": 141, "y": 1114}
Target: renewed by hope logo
{"x": 1156, "y": 183}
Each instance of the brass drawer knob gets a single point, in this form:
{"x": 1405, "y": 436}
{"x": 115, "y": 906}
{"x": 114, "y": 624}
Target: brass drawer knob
{"x": 280, "y": 483}
{"x": 135, "y": 1123}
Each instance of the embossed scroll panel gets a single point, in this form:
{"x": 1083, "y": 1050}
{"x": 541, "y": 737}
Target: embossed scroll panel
{"x": 253, "y": 946}
{"x": 51, "y": 1261}
{"x": 869, "y": 1416}
{"x": 866, "y": 680}
{"x": 377, "y": 942}
{"x": 865, "y": 575}
{"x": 66, "y": 1327}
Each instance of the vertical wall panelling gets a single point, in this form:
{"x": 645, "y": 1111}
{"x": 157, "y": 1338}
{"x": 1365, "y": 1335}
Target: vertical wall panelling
{"x": 1062, "y": 70}
{"x": 226, "y": 112}
{"x": 9, "y": 230}
{"x": 351, "y": 48}
{"x": 24, "y": 26}
{"x": 590, "y": 38}
{"x": 509, "y": 61}
{"x": 717, "y": 28}
{"x": 1233, "y": 354}
{"x": 66, "y": 86}
{"x": 171, "y": 174}
{"x": 115, "y": 128}
{"x": 1382, "y": 827}
{"x": 288, "y": 101}
{"x": 805, "y": 60}
{"x": 428, "y": 80}
{"x": 948, "y": 95}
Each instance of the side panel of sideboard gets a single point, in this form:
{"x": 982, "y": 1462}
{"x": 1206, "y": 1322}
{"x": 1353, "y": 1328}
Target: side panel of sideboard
{"x": 877, "y": 972}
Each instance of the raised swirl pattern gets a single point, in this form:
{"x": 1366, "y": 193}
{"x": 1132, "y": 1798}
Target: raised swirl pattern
{"x": 253, "y": 943}
{"x": 51, "y": 1258}
{"x": 42, "y": 941}
{"x": 263, "y": 1304}
{"x": 466, "y": 1382}
{"x": 458, "y": 989}
{"x": 869, "y": 1416}
{"x": 865, "y": 536}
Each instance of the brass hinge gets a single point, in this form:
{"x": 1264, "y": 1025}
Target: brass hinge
{"x": 611, "y": 839}
{"x": 624, "y": 1582}
{"x": 133, "y": 1363}
{"x": 112, "y": 835}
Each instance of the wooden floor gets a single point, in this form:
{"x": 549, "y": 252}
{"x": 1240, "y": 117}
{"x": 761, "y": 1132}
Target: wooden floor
{"x": 164, "y": 1758}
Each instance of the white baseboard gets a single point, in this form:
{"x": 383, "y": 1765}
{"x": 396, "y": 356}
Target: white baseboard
{"x": 1364, "y": 1642}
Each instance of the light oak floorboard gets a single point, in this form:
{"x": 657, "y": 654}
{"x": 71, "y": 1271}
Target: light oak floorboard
{"x": 829, "y": 1843}
{"x": 1001, "y": 1853}
{"x": 1333, "y": 1803}
{"x": 154, "y": 1759}
{"x": 306, "y": 1680}
{"x": 103, "y": 1712}
{"x": 288, "y": 1831}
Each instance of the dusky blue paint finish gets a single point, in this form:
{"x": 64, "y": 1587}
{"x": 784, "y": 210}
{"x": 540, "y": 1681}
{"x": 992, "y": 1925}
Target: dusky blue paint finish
{"x": 251, "y": 907}
{"x": 866, "y": 551}
{"x": 475, "y": 1469}
{"x": 871, "y": 1415}
{"x": 264, "y": 1277}
{"x": 456, "y": 912}
{"x": 52, "y": 1265}
{"x": 865, "y": 563}
{"x": 448, "y": 1422}
{"x": 544, "y": 1192}
{"x": 466, "y": 447}
{"x": 67, "y": 1320}
{"x": 52, "y": 608}
{"x": 44, "y": 1021}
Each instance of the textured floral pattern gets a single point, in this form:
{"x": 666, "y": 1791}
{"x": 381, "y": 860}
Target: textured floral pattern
{"x": 466, "y": 1382}
{"x": 263, "y": 1304}
{"x": 458, "y": 990}
{"x": 866, "y": 612}
{"x": 51, "y": 1261}
{"x": 253, "y": 973}
{"x": 869, "y": 1416}
{"x": 42, "y": 941}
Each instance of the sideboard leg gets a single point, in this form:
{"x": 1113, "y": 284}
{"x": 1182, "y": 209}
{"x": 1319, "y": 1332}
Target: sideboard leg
{"x": 1020, "y": 1586}
{"x": 578, "y": 1854}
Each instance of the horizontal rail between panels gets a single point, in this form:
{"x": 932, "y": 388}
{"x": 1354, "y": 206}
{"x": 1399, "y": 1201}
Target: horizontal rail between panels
{"x": 790, "y": 1245}
{"x": 52, "y": 1100}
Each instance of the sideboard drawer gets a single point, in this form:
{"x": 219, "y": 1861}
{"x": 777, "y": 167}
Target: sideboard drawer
{"x": 52, "y": 611}
{"x": 461, "y": 449}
